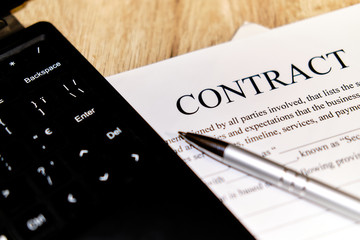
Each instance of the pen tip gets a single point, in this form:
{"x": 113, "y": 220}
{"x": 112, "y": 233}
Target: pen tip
{"x": 182, "y": 134}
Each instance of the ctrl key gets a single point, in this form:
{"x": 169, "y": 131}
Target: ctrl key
{"x": 37, "y": 223}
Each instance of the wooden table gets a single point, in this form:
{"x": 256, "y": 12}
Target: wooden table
{"x": 119, "y": 35}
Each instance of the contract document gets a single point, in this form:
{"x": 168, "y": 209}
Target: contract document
{"x": 291, "y": 94}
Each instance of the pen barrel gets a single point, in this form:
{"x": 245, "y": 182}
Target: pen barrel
{"x": 293, "y": 182}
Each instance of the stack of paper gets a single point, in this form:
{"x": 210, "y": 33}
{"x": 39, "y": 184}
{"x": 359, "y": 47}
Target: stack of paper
{"x": 290, "y": 94}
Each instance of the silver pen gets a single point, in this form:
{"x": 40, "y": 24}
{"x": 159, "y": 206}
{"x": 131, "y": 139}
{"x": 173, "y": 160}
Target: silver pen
{"x": 277, "y": 175}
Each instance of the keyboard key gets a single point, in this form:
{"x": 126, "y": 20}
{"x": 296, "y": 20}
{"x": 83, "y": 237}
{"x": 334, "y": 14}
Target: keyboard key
{"x": 11, "y": 67}
{"x": 113, "y": 133}
{"x": 81, "y": 114}
{"x": 72, "y": 199}
{"x": 38, "y": 67}
{"x": 7, "y": 128}
{"x": 37, "y": 222}
{"x": 82, "y": 121}
{"x": 14, "y": 158}
{"x": 41, "y": 105}
{"x": 15, "y": 195}
{"x": 44, "y": 138}
{"x": 71, "y": 87}
{"x": 39, "y": 53}
{"x": 49, "y": 174}
{"x": 12, "y": 122}
{"x": 79, "y": 157}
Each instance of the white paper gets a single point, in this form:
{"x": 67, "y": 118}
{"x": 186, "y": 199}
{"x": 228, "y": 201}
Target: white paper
{"x": 312, "y": 109}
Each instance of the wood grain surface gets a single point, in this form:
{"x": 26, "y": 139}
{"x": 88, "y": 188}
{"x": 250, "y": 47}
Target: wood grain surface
{"x": 119, "y": 35}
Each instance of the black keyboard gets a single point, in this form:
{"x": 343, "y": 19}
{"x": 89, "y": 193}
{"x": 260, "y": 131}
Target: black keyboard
{"x": 63, "y": 142}
{"x": 77, "y": 162}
